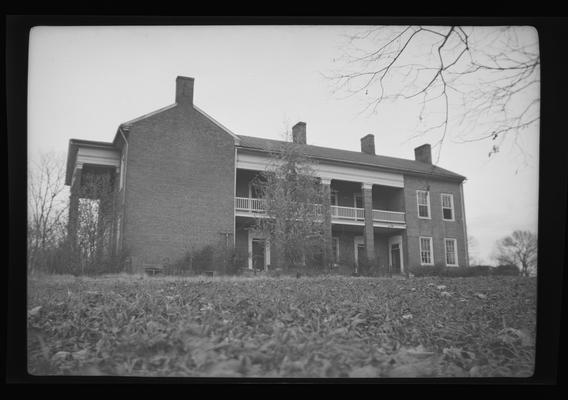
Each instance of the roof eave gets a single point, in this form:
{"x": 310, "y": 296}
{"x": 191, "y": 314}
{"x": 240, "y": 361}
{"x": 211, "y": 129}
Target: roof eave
{"x": 455, "y": 177}
{"x": 74, "y": 145}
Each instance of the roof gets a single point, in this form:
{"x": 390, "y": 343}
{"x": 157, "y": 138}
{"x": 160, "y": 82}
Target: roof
{"x": 72, "y": 154}
{"x": 354, "y": 157}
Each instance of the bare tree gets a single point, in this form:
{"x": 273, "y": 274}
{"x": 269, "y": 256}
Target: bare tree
{"x": 483, "y": 80}
{"x": 293, "y": 199}
{"x": 47, "y": 207}
{"x": 519, "y": 249}
{"x": 473, "y": 250}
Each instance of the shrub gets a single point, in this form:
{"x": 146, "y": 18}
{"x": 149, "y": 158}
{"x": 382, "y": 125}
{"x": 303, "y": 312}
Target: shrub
{"x": 64, "y": 259}
{"x": 455, "y": 272}
{"x": 111, "y": 264}
{"x": 180, "y": 267}
{"x": 426, "y": 270}
{"x": 231, "y": 261}
{"x": 202, "y": 259}
{"x": 223, "y": 260}
{"x": 364, "y": 266}
{"x": 507, "y": 269}
{"x": 61, "y": 260}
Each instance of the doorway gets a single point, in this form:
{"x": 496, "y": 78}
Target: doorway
{"x": 396, "y": 263}
{"x": 258, "y": 251}
{"x": 395, "y": 257}
{"x": 359, "y": 248}
{"x": 258, "y": 254}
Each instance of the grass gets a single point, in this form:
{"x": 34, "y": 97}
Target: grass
{"x": 281, "y": 327}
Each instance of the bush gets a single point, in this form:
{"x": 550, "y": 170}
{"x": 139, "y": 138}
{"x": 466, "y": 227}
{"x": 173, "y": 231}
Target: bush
{"x": 426, "y": 270}
{"x": 180, "y": 267}
{"x": 232, "y": 261}
{"x": 112, "y": 264}
{"x": 508, "y": 270}
{"x": 453, "y": 272}
{"x": 223, "y": 260}
{"x": 63, "y": 259}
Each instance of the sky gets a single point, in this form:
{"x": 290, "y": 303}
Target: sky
{"x": 258, "y": 81}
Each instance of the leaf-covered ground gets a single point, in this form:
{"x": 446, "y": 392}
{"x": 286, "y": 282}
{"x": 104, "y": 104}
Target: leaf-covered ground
{"x": 282, "y": 327}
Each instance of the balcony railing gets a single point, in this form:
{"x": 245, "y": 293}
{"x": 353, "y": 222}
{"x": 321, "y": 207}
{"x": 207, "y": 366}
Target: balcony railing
{"x": 249, "y": 204}
{"x": 388, "y": 216}
{"x": 351, "y": 213}
{"x": 256, "y": 207}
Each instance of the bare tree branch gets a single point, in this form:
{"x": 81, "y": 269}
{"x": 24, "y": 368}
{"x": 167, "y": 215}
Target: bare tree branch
{"x": 492, "y": 73}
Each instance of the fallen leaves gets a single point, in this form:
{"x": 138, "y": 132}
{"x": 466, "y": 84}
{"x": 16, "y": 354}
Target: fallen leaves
{"x": 313, "y": 327}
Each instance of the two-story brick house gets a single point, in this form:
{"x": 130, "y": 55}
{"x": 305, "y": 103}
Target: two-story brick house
{"x": 181, "y": 180}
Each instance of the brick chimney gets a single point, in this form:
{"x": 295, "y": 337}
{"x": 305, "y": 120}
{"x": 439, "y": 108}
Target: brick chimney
{"x": 423, "y": 154}
{"x": 299, "y": 133}
{"x": 184, "y": 90}
{"x": 368, "y": 144}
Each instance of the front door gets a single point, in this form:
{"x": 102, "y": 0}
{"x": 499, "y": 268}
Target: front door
{"x": 359, "y": 249}
{"x": 360, "y": 253}
{"x": 258, "y": 254}
{"x": 395, "y": 258}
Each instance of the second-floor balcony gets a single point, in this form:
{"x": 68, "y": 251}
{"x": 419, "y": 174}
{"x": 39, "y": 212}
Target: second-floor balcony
{"x": 251, "y": 207}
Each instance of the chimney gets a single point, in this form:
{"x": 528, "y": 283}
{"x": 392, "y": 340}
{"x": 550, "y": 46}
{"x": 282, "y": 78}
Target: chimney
{"x": 423, "y": 154}
{"x": 368, "y": 144}
{"x": 299, "y": 133}
{"x": 184, "y": 90}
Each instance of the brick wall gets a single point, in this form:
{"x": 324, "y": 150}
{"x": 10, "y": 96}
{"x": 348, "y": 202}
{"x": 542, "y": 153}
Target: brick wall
{"x": 435, "y": 227}
{"x": 179, "y": 185}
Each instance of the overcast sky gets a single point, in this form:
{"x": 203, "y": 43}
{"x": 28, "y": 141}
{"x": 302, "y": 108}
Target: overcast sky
{"x": 257, "y": 81}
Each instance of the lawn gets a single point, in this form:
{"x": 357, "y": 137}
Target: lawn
{"x": 282, "y": 327}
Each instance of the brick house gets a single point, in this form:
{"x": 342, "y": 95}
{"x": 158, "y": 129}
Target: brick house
{"x": 181, "y": 180}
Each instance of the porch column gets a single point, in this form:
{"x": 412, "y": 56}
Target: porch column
{"x": 328, "y": 252}
{"x": 74, "y": 207}
{"x": 369, "y": 233}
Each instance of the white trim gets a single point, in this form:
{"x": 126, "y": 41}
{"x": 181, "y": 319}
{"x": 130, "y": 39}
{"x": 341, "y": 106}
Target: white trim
{"x": 455, "y": 251}
{"x": 451, "y": 203}
{"x": 223, "y": 127}
{"x": 431, "y": 249}
{"x": 125, "y": 157}
{"x": 97, "y": 156}
{"x": 132, "y": 121}
{"x": 366, "y": 185}
{"x": 251, "y": 236}
{"x": 235, "y": 194}
{"x": 427, "y": 201}
{"x": 325, "y": 181}
{"x": 465, "y": 239}
{"x": 251, "y": 160}
{"x": 118, "y": 233}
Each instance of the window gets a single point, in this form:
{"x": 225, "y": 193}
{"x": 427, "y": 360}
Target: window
{"x": 334, "y": 198}
{"x": 254, "y": 191}
{"x": 447, "y": 207}
{"x": 426, "y": 256}
{"x": 358, "y": 200}
{"x": 423, "y": 200}
{"x": 451, "y": 252}
{"x": 335, "y": 249}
